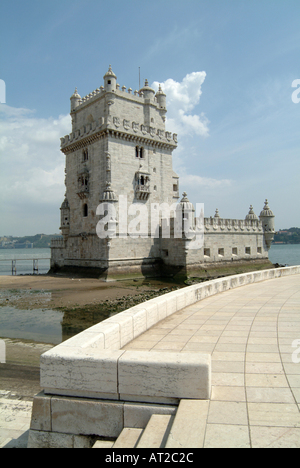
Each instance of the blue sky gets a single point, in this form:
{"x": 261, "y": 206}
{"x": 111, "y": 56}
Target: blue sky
{"x": 227, "y": 67}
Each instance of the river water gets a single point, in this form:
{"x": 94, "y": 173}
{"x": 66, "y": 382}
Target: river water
{"x": 24, "y": 260}
{"x": 284, "y": 254}
{"x": 53, "y": 326}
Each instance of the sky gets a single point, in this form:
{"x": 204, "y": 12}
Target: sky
{"x": 231, "y": 73}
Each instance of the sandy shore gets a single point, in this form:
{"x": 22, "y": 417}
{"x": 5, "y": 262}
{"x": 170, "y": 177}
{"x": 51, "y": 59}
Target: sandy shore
{"x": 52, "y": 291}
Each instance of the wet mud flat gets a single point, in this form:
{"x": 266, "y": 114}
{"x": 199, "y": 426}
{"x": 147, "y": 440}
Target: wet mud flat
{"x": 38, "y": 312}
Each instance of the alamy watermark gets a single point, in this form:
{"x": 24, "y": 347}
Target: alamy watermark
{"x": 2, "y": 92}
{"x": 295, "y": 98}
{"x": 2, "y": 352}
{"x": 296, "y": 353}
{"x": 133, "y": 221}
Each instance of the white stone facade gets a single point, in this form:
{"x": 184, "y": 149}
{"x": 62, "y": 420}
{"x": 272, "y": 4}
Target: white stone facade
{"x": 119, "y": 147}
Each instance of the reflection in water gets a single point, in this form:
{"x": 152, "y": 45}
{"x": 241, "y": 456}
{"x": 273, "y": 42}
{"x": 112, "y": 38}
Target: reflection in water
{"x": 41, "y": 324}
{"x": 45, "y": 325}
{"x": 75, "y": 321}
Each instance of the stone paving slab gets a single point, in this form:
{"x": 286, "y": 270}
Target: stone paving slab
{"x": 15, "y": 417}
{"x": 251, "y": 333}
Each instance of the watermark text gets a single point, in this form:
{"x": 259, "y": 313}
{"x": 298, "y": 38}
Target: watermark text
{"x": 2, "y": 352}
{"x": 296, "y": 353}
{"x": 295, "y": 97}
{"x": 156, "y": 220}
{"x": 2, "y": 92}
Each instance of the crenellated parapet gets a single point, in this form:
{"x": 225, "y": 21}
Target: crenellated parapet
{"x": 138, "y": 115}
{"x": 119, "y": 128}
{"x": 217, "y": 224}
{"x": 145, "y": 94}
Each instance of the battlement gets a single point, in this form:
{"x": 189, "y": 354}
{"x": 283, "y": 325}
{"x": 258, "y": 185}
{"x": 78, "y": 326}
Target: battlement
{"x": 111, "y": 88}
{"x": 136, "y": 116}
{"x": 101, "y": 92}
{"x": 223, "y": 225}
{"x": 118, "y": 126}
{"x": 57, "y": 243}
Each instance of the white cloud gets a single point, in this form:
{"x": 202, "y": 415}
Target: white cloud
{"x": 32, "y": 166}
{"x": 182, "y": 98}
{"x": 195, "y": 181}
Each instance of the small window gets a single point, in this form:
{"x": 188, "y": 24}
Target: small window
{"x": 259, "y": 250}
{"x": 221, "y": 252}
{"x": 175, "y": 188}
{"x": 234, "y": 251}
{"x": 139, "y": 152}
{"x": 154, "y": 188}
{"x": 165, "y": 253}
{"x": 85, "y": 155}
{"x": 247, "y": 250}
{"x": 206, "y": 252}
{"x": 109, "y": 81}
{"x": 85, "y": 210}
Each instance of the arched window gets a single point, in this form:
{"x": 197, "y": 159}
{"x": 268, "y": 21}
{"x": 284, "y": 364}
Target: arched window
{"x": 85, "y": 210}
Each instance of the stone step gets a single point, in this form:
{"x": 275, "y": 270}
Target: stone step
{"x": 103, "y": 444}
{"x": 156, "y": 432}
{"x": 128, "y": 438}
{"x": 189, "y": 425}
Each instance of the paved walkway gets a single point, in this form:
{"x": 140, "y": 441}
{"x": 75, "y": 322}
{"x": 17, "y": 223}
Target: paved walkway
{"x": 250, "y": 333}
{"x": 15, "y": 417}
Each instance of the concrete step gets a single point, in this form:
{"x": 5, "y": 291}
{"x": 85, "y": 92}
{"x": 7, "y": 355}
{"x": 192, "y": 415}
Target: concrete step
{"x": 103, "y": 444}
{"x": 189, "y": 425}
{"x": 128, "y": 438}
{"x": 156, "y": 432}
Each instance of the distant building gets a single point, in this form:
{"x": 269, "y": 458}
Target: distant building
{"x": 119, "y": 146}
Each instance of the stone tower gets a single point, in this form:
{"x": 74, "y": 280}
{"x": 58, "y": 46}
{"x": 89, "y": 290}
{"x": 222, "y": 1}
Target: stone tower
{"x": 120, "y": 213}
{"x": 118, "y": 147}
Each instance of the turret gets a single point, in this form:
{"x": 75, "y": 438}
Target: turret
{"x": 161, "y": 99}
{"x": 251, "y": 216}
{"x": 267, "y": 218}
{"x": 188, "y": 213}
{"x": 65, "y": 218}
{"x": 75, "y": 98}
{"x": 148, "y": 92}
{"x": 110, "y": 81}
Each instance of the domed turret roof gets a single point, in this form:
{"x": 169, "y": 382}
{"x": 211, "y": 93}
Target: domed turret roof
{"x": 108, "y": 194}
{"x": 251, "y": 214}
{"x": 266, "y": 210}
{"x": 146, "y": 88}
{"x": 110, "y": 73}
{"x": 65, "y": 205}
{"x": 75, "y": 95}
{"x": 185, "y": 204}
{"x": 160, "y": 92}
